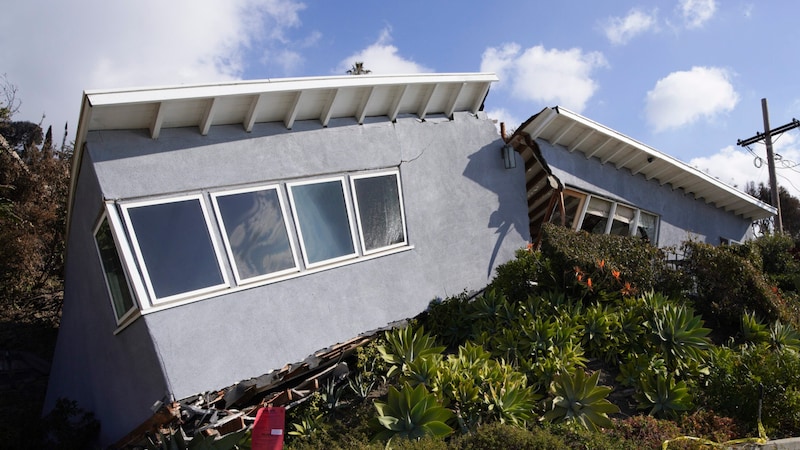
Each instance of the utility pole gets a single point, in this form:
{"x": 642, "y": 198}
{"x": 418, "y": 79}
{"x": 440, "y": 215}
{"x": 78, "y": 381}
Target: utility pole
{"x": 767, "y": 137}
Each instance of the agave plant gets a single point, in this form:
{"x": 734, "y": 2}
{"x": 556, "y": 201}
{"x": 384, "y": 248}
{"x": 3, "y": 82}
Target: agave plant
{"x": 404, "y": 345}
{"x": 578, "y": 398}
{"x": 753, "y": 330}
{"x": 512, "y": 402}
{"x": 307, "y": 426}
{"x": 783, "y": 337}
{"x": 600, "y": 326}
{"x": 422, "y": 370}
{"x": 411, "y": 413}
{"x": 663, "y": 396}
{"x": 681, "y": 336}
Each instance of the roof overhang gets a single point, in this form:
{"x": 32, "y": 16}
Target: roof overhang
{"x": 285, "y": 100}
{"x": 573, "y": 132}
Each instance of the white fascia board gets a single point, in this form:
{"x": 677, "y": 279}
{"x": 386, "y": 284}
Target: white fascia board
{"x": 188, "y": 92}
{"x": 651, "y": 152}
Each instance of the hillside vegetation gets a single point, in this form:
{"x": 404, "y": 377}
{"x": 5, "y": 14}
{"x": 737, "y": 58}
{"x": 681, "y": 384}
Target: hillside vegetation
{"x": 590, "y": 342}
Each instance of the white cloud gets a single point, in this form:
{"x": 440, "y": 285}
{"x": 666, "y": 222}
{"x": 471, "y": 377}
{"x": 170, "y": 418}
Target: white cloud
{"x": 555, "y": 77}
{"x": 620, "y": 30}
{"x": 93, "y": 44}
{"x": 685, "y": 97}
{"x": 697, "y": 12}
{"x": 381, "y": 58}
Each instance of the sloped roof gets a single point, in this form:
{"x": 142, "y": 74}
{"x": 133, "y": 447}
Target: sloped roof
{"x": 285, "y": 100}
{"x": 281, "y": 100}
{"x": 573, "y": 132}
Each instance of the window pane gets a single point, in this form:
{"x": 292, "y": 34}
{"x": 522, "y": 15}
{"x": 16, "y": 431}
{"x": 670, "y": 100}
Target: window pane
{"x": 112, "y": 266}
{"x": 256, "y": 232}
{"x": 176, "y": 247}
{"x": 596, "y": 216}
{"x": 379, "y": 211}
{"x": 323, "y": 220}
{"x": 646, "y": 228}
{"x": 622, "y": 219}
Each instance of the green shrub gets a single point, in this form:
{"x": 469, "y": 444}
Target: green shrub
{"x": 530, "y": 272}
{"x": 495, "y": 436}
{"x": 727, "y": 285}
{"x": 635, "y": 259}
{"x": 735, "y": 381}
{"x": 645, "y": 432}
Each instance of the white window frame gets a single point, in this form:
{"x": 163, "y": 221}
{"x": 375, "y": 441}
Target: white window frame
{"x": 396, "y": 174}
{"x": 633, "y": 225}
{"x": 155, "y": 300}
{"x": 134, "y": 309}
{"x": 347, "y": 196}
{"x": 229, "y": 250}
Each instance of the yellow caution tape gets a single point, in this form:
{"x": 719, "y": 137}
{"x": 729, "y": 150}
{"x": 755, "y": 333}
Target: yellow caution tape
{"x": 761, "y": 439}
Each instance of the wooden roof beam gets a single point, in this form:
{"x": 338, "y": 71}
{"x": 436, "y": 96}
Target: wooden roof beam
{"x": 208, "y": 116}
{"x": 361, "y": 111}
{"x": 252, "y": 112}
{"x": 291, "y": 114}
{"x": 455, "y": 92}
{"x": 394, "y": 110}
{"x": 158, "y": 120}
{"x": 426, "y": 102}
{"x": 325, "y": 117}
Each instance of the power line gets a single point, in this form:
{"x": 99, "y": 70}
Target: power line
{"x": 767, "y": 137}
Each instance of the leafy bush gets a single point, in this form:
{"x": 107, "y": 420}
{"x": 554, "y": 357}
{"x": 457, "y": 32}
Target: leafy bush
{"x": 500, "y": 436}
{"x": 634, "y": 258}
{"x": 727, "y": 285}
{"x": 739, "y": 375}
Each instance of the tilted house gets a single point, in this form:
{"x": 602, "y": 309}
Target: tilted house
{"x": 590, "y": 177}
{"x": 218, "y": 232}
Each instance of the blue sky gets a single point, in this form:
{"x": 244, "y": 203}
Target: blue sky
{"x": 683, "y": 76}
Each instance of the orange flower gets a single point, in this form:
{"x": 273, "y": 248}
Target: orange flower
{"x": 627, "y": 290}
{"x": 601, "y": 263}
{"x": 530, "y": 246}
{"x": 589, "y": 282}
{"x": 615, "y": 274}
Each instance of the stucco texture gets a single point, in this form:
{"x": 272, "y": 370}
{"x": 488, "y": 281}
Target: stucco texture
{"x": 465, "y": 215}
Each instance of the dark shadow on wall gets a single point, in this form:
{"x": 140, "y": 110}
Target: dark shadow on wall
{"x": 485, "y": 167}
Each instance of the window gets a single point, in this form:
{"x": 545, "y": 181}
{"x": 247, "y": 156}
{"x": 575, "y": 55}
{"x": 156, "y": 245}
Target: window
{"x": 322, "y": 216}
{"x": 116, "y": 280}
{"x": 174, "y": 247}
{"x": 596, "y": 217}
{"x": 621, "y": 224}
{"x": 254, "y": 228}
{"x": 190, "y": 247}
{"x": 381, "y": 222}
{"x": 602, "y": 216}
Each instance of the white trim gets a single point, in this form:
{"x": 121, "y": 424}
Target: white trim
{"x": 126, "y": 315}
{"x": 154, "y": 299}
{"x": 396, "y": 174}
{"x": 348, "y": 207}
{"x": 226, "y": 241}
